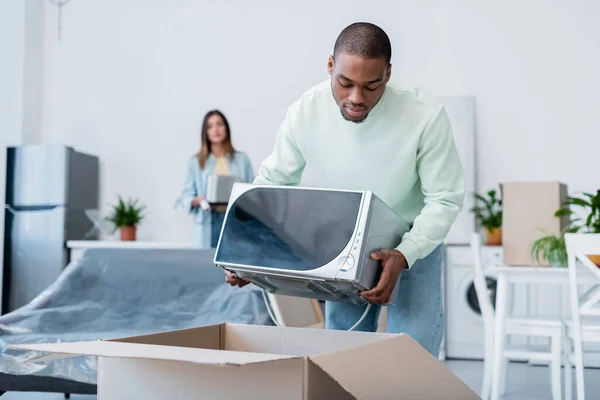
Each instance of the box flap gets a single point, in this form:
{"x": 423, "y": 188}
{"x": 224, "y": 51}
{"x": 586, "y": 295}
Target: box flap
{"x": 205, "y": 337}
{"x": 391, "y": 368}
{"x": 130, "y": 379}
{"x": 144, "y": 351}
{"x": 294, "y": 341}
{"x": 320, "y": 385}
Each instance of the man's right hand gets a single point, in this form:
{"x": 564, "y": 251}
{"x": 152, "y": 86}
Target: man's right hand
{"x": 234, "y": 280}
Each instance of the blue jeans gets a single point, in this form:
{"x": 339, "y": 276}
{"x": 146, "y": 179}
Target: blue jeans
{"x": 417, "y": 311}
{"x": 218, "y": 217}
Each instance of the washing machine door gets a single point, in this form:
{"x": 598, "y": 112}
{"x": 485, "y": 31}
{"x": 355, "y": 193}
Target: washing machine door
{"x": 471, "y": 294}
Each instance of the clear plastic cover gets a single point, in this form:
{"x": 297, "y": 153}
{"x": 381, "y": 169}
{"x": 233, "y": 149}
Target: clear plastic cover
{"x": 110, "y": 293}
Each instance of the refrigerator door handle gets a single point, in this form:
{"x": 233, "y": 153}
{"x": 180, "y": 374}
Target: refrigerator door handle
{"x": 10, "y": 209}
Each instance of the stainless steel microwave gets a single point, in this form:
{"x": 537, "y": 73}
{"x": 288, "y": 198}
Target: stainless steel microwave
{"x": 307, "y": 242}
{"x": 218, "y": 188}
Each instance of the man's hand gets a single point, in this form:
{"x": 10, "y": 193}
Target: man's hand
{"x": 393, "y": 262}
{"x": 234, "y": 280}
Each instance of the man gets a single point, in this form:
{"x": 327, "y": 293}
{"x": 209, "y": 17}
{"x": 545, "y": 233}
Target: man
{"x": 361, "y": 131}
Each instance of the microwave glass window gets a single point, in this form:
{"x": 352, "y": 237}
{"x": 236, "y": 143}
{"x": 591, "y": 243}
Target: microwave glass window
{"x": 295, "y": 229}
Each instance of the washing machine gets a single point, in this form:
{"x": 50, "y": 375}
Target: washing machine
{"x": 464, "y": 337}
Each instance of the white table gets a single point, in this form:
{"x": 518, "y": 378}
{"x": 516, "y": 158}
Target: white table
{"x": 528, "y": 275}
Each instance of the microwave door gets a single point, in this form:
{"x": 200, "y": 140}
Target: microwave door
{"x": 299, "y": 229}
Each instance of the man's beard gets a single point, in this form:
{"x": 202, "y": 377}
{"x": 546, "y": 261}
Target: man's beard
{"x": 351, "y": 120}
{"x": 344, "y": 115}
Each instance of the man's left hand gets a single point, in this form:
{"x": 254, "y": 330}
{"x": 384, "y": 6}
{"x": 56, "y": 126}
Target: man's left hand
{"x": 393, "y": 262}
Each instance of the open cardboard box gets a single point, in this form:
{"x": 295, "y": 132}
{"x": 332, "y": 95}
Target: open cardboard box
{"x": 230, "y": 361}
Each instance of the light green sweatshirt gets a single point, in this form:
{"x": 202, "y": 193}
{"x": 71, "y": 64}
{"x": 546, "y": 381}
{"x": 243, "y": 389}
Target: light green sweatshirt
{"x": 404, "y": 152}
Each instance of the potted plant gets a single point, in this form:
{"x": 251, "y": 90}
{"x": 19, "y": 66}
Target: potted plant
{"x": 489, "y": 216}
{"x": 590, "y": 216}
{"x": 126, "y": 217}
{"x": 552, "y": 248}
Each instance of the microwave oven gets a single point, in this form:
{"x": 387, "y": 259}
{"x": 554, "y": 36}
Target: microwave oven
{"x": 307, "y": 242}
{"x": 218, "y": 188}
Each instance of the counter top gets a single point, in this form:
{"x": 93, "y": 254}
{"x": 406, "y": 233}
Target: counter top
{"x": 117, "y": 244}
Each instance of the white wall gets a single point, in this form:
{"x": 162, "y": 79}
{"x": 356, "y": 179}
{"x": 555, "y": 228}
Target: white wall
{"x": 131, "y": 80}
{"x": 33, "y": 85}
{"x": 12, "y": 66}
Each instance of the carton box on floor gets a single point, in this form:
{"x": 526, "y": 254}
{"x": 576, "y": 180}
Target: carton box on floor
{"x": 528, "y": 214}
{"x": 230, "y": 361}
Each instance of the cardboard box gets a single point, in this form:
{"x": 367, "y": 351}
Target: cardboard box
{"x": 528, "y": 214}
{"x": 231, "y": 361}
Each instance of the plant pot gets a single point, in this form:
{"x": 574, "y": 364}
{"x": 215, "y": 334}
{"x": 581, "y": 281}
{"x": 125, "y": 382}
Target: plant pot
{"x": 494, "y": 238}
{"x": 557, "y": 259}
{"x": 128, "y": 233}
{"x": 595, "y": 258}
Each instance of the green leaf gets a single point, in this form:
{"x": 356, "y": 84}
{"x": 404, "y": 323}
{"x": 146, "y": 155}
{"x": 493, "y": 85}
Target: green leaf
{"x": 126, "y": 213}
{"x": 481, "y": 198}
{"x": 489, "y": 214}
{"x": 551, "y": 248}
{"x": 578, "y": 202}
{"x": 594, "y": 199}
{"x": 589, "y": 220}
{"x": 561, "y": 212}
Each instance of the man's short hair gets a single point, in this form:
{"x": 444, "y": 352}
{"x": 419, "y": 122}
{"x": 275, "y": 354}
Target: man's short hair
{"x": 365, "y": 40}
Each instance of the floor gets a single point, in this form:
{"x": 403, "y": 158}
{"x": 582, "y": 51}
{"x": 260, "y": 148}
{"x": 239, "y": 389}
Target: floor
{"x": 524, "y": 383}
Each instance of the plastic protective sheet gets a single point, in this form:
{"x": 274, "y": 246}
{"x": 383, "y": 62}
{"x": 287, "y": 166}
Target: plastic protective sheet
{"x": 112, "y": 293}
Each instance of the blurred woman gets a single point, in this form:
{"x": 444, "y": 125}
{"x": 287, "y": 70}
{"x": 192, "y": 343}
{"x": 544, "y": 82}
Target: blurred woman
{"x": 217, "y": 156}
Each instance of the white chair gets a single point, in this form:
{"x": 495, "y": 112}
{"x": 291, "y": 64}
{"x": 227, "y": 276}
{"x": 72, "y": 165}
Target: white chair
{"x": 297, "y": 312}
{"x": 524, "y": 327}
{"x": 584, "y": 308}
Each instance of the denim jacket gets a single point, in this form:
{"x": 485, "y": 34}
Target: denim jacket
{"x": 196, "y": 180}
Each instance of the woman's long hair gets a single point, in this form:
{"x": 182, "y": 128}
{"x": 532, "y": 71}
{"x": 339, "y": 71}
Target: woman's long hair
{"x": 206, "y": 148}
